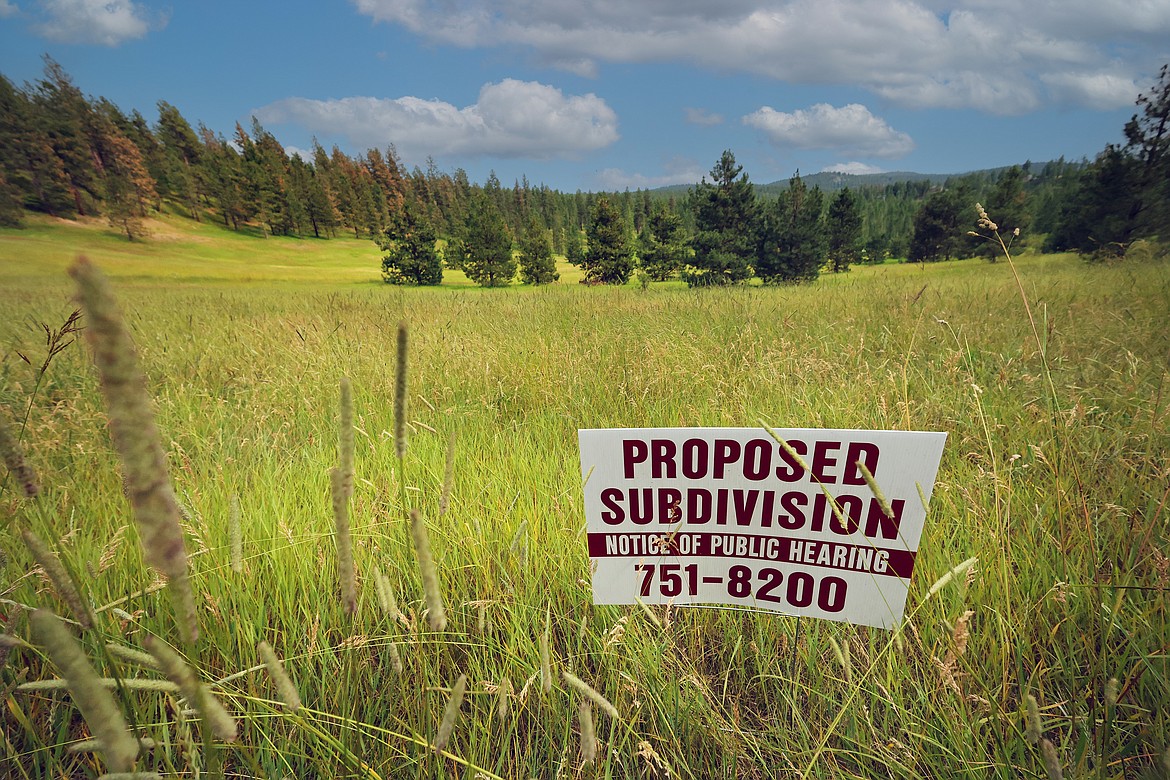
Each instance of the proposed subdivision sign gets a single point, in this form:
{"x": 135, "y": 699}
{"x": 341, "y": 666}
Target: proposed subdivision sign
{"x": 732, "y": 516}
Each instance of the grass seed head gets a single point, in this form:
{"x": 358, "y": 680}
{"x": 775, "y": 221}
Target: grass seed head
{"x": 450, "y": 713}
{"x": 132, "y": 427}
{"x": 197, "y": 694}
{"x": 588, "y": 733}
{"x": 62, "y": 582}
{"x": 587, "y": 690}
{"x": 344, "y": 541}
{"x": 545, "y": 663}
{"x": 1051, "y": 761}
{"x": 345, "y": 444}
{"x": 503, "y": 697}
{"x": 96, "y": 703}
{"x": 400, "y": 394}
{"x": 436, "y": 613}
{"x": 235, "y": 535}
{"x": 284, "y": 684}
{"x": 1033, "y": 730}
{"x": 13, "y": 456}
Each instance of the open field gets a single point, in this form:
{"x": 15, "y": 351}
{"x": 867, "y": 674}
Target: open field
{"x": 1058, "y": 488}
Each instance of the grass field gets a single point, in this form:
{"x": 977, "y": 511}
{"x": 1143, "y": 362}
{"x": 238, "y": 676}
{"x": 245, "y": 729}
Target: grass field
{"x": 1054, "y": 478}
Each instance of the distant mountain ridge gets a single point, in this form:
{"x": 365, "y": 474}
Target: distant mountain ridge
{"x": 831, "y": 181}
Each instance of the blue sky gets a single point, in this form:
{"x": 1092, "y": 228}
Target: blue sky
{"x": 609, "y": 94}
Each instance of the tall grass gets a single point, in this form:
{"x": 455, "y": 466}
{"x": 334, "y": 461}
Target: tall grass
{"x": 1057, "y": 491}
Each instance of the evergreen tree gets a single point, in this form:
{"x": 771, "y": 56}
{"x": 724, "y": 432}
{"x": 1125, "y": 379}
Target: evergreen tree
{"x": 726, "y": 227}
{"x": 939, "y": 226}
{"x": 181, "y": 154}
{"x": 664, "y": 247}
{"x": 62, "y": 115}
{"x": 536, "y": 257}
{"x": 128, "y": 189}
{"x": 793, "y": 242}
{"x": 608, "y": 258}
{"x": 409, "y": 246}
{"x": 1008, "y": 207}
{"x": 574, "y": 247}
{"x": 486, "y": 248}
{"x": 843, "y": 227}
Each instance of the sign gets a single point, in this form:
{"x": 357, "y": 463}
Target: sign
{"x": 734, "y": 516}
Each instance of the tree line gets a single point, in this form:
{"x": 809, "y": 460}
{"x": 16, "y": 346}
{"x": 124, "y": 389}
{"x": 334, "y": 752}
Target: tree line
{"x": 68, "y": 155}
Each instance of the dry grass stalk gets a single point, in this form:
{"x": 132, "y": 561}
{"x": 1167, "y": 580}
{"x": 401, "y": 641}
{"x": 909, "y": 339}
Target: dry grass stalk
{"x": 585, "y": 689}
{"x": 13, "y": 456}
{"x": 344, "y": 541}
{"x": 400, "y": 394}
{"x": 436, "y": 614}
{"x": 197, "y": 695}
{"x": 588, "y": 733}
{"x": 96, "y": 703}
{"x": 144, "y": 465}
{"x": 959, "y": 636}
{"x": 236, "y": 535}
{"x": 62, "y": 582}
{"x": 450, "y": 712}
{"x": 284, "y": 684}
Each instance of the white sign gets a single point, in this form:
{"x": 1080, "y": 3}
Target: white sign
{"x": 732, "y": 516}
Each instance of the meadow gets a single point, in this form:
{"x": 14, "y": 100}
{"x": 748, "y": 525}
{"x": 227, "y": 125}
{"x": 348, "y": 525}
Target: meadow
{"x": 1054, "y": 479}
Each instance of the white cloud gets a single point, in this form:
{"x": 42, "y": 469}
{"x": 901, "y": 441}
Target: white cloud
{"x": 1095, "y": 90}
{"x": 1002, "y": 56}
{"x": 510, "y": 119}
{"x": 855, "y": 168}
{"x": 104, "y": 22}
{"x": 851, "y": 129}
{"x": 702, "y": 117}
{"x": 8, "y": 9}
{"x": 679, "y": 170}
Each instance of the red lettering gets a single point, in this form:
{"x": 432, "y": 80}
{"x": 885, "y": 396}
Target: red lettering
{"x": 822, "y": 461}
{"x": 633, "y": 452}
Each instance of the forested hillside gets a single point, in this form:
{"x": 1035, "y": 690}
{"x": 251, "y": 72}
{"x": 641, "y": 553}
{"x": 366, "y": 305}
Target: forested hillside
{"x": 70, "y": 155}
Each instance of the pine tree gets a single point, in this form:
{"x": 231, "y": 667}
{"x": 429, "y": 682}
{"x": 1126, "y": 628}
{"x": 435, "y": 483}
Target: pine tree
{"x": 536, "y": 257}
{"x": 939, "y": 226}
{"x": 486, "y": 248}
{"x": 726, "y": 226}
{"x": 1008, "y": 206}
{"x": 793, "y": 241}
{"x": 409, "y": 246}
{"x": 664, "y": 247}
{"x": 608, "y": 259}
{"x": 181, "y": 154}
{"x": 843, "y": 226}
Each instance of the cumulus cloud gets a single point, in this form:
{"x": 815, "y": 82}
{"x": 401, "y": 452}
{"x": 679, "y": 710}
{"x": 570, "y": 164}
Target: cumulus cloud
{"x": 851, "y": 129}
{"x": 855, "y": 168}
{"x": 679, "y": 170}
{"x": 1002, "y": 56}
{"x": 702, "y": 117}
{"x": 104, "y": 22}
{"x": 510, "y": 119}
{"x": 1095, "y": 90}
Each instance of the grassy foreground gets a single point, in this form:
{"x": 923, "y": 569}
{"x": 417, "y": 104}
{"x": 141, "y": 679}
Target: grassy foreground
{"x": 1058, "y": 490}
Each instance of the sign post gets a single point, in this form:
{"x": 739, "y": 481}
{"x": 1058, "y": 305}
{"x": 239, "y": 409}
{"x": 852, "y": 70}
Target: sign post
{"x": 733, "y": 516}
